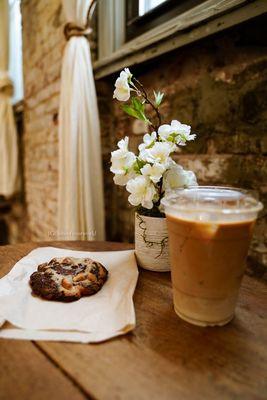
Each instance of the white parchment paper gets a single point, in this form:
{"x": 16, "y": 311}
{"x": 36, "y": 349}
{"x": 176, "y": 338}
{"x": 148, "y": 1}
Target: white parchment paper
{"x": 108, "y": 313}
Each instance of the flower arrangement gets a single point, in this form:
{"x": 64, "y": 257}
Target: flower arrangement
{"x": 152, "y": 173}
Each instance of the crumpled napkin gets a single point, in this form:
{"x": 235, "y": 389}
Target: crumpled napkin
{"x": 108, "y": 313}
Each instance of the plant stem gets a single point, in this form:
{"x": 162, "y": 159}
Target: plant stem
{"x": 160, "y": 188}
{"x": 148, "y": 101}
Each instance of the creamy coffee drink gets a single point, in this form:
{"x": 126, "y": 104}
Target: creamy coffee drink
{"x": 210, "y": 230}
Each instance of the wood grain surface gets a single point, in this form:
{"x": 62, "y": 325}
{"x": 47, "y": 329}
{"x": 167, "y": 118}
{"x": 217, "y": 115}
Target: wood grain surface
{"x": 163, "y": 358}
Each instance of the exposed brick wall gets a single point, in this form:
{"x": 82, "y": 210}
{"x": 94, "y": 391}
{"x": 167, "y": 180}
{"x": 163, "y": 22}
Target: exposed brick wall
{"x": 43, "y": 44}
{"x": 219, "y": 86}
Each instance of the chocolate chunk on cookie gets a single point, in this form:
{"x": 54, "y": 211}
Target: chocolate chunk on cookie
{"x": 68, "y": 279}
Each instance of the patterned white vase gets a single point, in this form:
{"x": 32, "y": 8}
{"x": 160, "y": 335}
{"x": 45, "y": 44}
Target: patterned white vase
{"x": 151, "y": 243}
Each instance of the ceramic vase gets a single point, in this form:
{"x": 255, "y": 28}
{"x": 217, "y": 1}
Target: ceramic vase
{"x": 151, "y": 243}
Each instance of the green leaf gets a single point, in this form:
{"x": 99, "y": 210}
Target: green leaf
{"x": 158, "y": 98}
{"x": 136, "y": 110}
{"x": 143, "y": 118}
{"x": 130, "y": 111}
{"x": 138, "y": 105}
{"x": 139, "y": 164}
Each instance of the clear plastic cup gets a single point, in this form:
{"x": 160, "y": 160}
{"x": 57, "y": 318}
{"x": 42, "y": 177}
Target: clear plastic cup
{"x": 210, "y": 229}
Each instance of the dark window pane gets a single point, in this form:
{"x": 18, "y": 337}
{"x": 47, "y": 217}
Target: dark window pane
{"x": 143, "y": 15}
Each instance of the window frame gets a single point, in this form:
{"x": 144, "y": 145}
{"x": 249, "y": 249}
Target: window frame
{"x": 136, "y": 25}
{"x": 111, "y": 27}
{"x": 209, "y": 17}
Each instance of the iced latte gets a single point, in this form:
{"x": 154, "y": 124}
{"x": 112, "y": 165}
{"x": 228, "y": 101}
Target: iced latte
{"x": 210, "y": 229}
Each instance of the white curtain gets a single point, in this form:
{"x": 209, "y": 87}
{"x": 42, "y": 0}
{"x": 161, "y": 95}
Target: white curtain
{"x": 80, "y": 202}
{"x": 8, "y": 134}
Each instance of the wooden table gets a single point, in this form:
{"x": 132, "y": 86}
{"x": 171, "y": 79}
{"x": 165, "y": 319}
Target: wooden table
{"x": 164, "y": 358}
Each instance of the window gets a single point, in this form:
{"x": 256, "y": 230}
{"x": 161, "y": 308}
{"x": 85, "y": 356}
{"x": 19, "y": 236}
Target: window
{"x": 143, "y": 15}
{"x": 15, "y": 49}
{"x": 144, "y": 6}
{"x": 134, "y": 31}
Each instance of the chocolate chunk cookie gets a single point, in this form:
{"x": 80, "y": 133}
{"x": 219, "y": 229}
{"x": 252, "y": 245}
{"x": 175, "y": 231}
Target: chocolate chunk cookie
{"x": 68, "y": 279}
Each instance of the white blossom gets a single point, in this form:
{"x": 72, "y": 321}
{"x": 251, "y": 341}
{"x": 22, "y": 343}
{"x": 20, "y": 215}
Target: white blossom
{"x": 176, "y": 132}
{"x": 128, "y": 73}
{"x": 158, "y": 153}
{"x": 122, "y": 180}
{"x": 122, "y": 162}
{"x": 142, "y": 191}
{"x": 154, "y": 172}
{"x": 176, "y": 177}
{"x": 148, "y": 140}
{"x": 151, "y": 172}
{"x": 164, "y": 132}
{"x": 123, "y": 143}
{"x": 122, "y": 88}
